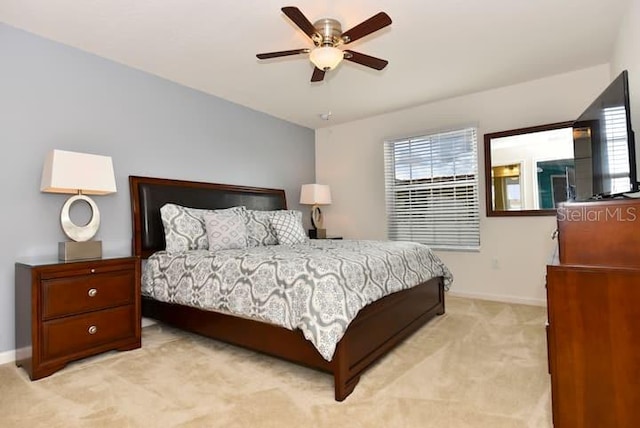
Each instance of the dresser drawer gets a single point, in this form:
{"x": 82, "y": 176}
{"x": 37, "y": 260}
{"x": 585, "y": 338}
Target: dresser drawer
{"x": 84, "y": 293}
{"x": 65, "y": 336}
{"x": 601, "y": 233}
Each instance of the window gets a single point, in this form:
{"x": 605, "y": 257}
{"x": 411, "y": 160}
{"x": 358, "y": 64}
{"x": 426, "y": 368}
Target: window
{"x": 617, "y": 150}
{"x": 432, "y": 189}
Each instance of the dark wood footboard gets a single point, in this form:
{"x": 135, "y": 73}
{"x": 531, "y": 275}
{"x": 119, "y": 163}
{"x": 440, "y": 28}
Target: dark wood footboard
{"x": 380, "y": 327}
{"x": 376, "y": 330}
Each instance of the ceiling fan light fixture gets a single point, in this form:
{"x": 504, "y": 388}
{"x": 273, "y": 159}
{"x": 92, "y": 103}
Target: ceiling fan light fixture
{"x": 326, "y": 57}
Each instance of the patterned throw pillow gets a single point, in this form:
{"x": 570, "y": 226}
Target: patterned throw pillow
{"x": 225, "y": 230}
{"x": 259, "y": 230}
{"x": 184, "y": 227}
{"x": 288, "y": 227}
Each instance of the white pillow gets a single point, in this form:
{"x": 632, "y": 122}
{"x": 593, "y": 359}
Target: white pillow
{"x": 225, "y": 230}
{"x": 288, "y": 227}
{"x": 184, "y": 227}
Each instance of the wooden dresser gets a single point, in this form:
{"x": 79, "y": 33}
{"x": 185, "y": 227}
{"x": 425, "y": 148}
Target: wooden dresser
{"x": 70, "y": 310}
{"x": 593, "y": 297}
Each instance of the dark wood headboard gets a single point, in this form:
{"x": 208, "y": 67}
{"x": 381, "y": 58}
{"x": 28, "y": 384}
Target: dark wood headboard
{"x": 149, "y": 194}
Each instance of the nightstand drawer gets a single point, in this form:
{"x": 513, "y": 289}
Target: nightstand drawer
{"x": 66, "y": 336}
{"x": 77, "y": 294}
{"x": 91, "y": 267}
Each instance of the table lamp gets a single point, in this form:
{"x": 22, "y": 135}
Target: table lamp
{"x": 79, "y": 174}
{"x": 316, "y": 195}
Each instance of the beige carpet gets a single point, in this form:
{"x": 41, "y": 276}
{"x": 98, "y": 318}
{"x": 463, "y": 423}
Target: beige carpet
{"x": 483, "y": 364}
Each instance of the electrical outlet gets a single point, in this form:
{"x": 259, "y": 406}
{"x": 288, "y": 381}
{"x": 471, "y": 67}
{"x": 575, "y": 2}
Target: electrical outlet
{"x": 495, "y": 264}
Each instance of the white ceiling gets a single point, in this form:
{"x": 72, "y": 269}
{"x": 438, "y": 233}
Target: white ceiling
{"x": 436, "y": 48}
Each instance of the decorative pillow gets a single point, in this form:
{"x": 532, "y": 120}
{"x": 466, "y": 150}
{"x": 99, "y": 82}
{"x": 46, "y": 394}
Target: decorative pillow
{"x": 184, "y": 227}
{"x": 288, "y": 227}
{"x": 259, "y": 230}
{"x": 225, "y": 230}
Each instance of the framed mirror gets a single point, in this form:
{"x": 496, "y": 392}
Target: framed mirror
{"x": 526, "y": 169}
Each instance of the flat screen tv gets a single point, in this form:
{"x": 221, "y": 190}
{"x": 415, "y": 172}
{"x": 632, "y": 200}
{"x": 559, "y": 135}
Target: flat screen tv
{"x": 604, "y": 147}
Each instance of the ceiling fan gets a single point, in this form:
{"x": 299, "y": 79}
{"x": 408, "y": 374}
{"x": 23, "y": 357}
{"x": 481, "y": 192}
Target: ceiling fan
{"x": 327, "y": 36}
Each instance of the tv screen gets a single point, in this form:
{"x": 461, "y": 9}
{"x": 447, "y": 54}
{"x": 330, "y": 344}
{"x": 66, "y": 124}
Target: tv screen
{"x": 604, "y": 146}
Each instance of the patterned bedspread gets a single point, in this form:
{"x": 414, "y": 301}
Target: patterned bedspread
{"x": 317, "y": 287}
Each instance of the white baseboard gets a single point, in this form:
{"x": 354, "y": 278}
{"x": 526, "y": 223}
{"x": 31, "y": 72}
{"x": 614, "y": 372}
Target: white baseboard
{"x": 7, "y": 357}
{"x": 146, "y": 322}
{"x": 499, "y": 298}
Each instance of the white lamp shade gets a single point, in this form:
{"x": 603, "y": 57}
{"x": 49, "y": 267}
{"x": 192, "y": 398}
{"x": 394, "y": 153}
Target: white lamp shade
{"x": 315, "y": 194}
{"x": 326, "y": 57}
{"x": 71, "y": 172}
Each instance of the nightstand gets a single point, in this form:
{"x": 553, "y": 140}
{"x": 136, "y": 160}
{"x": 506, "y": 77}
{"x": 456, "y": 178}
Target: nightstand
{"x": 70, "y": 310}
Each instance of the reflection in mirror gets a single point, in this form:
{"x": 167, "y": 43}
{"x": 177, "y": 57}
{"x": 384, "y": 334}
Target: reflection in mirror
{"x": 506, "y": 187}
{"x": 526, "y": 169}
{"x": 553, "y": 183}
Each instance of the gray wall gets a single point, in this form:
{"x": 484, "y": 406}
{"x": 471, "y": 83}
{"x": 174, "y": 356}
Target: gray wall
{"x": 54, "y": 96}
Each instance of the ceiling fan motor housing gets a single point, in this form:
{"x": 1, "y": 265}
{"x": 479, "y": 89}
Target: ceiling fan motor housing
{"x": 329, "y": 33}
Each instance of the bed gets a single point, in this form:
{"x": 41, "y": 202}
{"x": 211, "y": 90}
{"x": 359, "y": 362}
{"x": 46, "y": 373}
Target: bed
{"x": 375, "y": 330}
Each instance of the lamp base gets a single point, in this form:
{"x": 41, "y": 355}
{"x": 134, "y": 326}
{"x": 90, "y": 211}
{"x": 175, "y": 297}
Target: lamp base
{"x": 318, "y": 233}
{"x": 71, "y": 250}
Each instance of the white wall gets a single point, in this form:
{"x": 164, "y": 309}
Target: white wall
{"x": 349, "y": 157}
{"x": 626, "y": 56}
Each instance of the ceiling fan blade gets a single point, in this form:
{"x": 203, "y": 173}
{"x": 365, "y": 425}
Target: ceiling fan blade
{"x": 375, "y": 23}
{"x": 369, "y": 61}
{"x": 281, "y": 53}
{"x": 318, "y": 75}
{"x": 298, "y": 18}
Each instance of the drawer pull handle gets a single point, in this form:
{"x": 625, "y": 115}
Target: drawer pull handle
{"x": 93, "y": 329}
{"x": 92, "y": 292}
{"x": 93, "y": 271}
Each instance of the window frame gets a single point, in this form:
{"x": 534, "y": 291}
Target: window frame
{"x": 460, "y": 188}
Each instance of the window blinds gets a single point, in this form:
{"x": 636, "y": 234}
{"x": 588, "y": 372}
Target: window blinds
{"x": 432, "y": 190}
{"x": 617, "y": 153}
